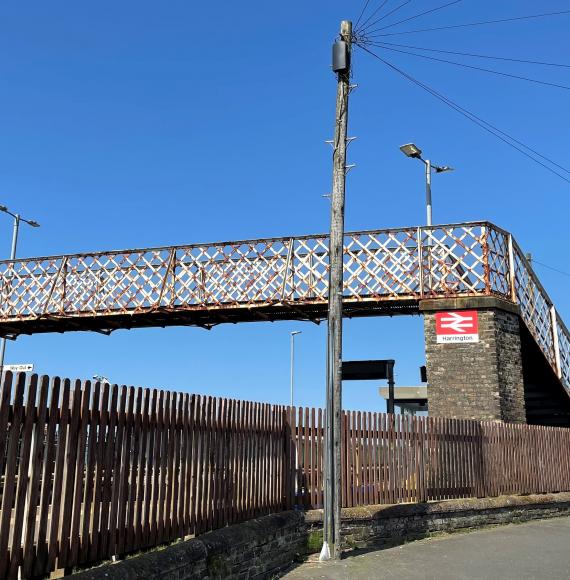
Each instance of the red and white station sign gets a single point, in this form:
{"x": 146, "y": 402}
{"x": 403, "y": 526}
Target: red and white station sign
{"x": 457, "y": 326}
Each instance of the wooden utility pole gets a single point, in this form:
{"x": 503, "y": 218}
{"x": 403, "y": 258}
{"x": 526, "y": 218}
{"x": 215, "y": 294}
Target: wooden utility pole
{"x": 333, "y": 495}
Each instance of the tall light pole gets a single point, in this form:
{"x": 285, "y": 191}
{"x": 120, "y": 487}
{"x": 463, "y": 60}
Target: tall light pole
{"x": 293, "y": 335}
{"x": 411, "y": 150}
{"x": 17, "y": 219}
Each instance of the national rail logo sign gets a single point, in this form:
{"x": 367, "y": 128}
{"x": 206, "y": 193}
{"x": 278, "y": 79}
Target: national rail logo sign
{"x": 457, "y": 326}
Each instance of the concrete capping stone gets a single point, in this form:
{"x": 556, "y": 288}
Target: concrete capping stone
{"x": 468, "y": 302}
{"x": 378, "y": 512}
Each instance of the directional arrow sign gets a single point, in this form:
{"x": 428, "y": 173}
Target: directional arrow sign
{"x": 21, "y": 368}
{"x": 457, "y": 326}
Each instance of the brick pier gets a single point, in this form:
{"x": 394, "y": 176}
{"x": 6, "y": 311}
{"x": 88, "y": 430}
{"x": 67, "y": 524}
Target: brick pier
{"x": 482, "y": 380}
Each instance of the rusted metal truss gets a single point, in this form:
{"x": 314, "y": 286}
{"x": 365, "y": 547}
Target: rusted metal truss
{"x": 385, "y": 272}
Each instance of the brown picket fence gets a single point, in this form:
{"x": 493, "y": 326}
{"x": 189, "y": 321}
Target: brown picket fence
{"x": 388, "y": 459}
{"x": 96, "y": 470}
{"x": 89, "y": 471}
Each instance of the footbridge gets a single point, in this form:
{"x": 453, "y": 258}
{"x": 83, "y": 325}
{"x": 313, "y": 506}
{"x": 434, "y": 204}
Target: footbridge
{"x": 386, "y": 272}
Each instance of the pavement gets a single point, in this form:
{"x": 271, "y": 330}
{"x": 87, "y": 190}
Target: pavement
{"x": 535, "y": 550}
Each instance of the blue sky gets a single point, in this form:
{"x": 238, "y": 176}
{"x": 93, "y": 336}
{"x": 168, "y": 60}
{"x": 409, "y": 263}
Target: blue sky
{"x": 141, "y": 123}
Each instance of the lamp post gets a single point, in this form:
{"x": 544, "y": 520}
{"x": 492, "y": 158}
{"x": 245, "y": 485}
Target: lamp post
{"x": 17, "y": 219}
{"x": 293, "y": 334}
{"x": 411, "y": 150}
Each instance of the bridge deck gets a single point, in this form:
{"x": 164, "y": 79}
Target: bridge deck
{"x": 205, "y": 317}
{"x": 386, "y": 272}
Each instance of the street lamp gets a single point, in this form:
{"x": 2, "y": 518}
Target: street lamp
{"x": 17, "y": 219}
{"x": 293, "y": 334}
{"x": 411, "y": 150}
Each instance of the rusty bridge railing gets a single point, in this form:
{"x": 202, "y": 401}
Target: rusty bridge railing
{"x": 277, "y": 278}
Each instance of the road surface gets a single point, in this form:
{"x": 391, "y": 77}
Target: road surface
{"x": 531, "y": 551}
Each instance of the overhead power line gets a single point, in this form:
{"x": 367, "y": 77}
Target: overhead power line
{"x": 416, "y": 16}
{"x": 464, "y": 65}
{"x": 389, "y": 13}
{"x": 362, "y": 12}
{"x": 550, "y": 268}
{"x": 374, "y": 13}
{"x": 473, "y": 55}
{"x": 498, "y": 133}
{"x": 474, "y": 23}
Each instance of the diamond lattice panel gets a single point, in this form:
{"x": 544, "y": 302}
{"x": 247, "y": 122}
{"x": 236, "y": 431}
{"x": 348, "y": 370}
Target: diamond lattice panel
{"x": 498, "y": 262}
{"x": 311, "y": 269}
{"x": 535, "y": 308}
{"x": 453, "y": 259}
{"x": 26, "y": 286}
{"x": 564, "y": 346}
{"x": 240, "y": 274}
{"x": 115, "y": 283}
{"x": 380, "y": 265}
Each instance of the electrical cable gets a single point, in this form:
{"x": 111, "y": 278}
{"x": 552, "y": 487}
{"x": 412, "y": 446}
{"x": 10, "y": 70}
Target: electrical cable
{"x": 416, "y": 16}
{"x": 488, "y": 70}
{"x": 373, "y": 14}
{"x": 471, "y": 54}
{"x": 389, "y": 13}
{"x": 508, "y": 136}
{"x": 477, "y": 23}
{"x": 362, "y": 13}
{"x": 533, "y": 261}
{"x": 473, "y": 118}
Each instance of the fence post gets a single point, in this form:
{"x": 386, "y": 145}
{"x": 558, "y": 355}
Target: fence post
{"x": 420, "y": 262}
{"x": 418, "y": 428}
{"x": 485, "y": 250}
{"x": 292, "y": 458}
{"x": 482, "y": 490}
{"x": 555, "y": 342}
{"x": 286, "y": 482}
{"x": 287, "y": 265}
{"x": 512, "y": 270}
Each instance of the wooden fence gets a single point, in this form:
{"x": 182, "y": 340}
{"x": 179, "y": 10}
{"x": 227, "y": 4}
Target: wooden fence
{"x": 391, "y": 459}
{"x": 90, "y": 471}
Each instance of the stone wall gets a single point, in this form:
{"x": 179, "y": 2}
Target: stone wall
{"x": 482, "y": 380}
{"x": 255, "y": 549}
{"x": 509, "y": 366}
{"x": 262, "y": 548}
{"x": 378, "y": 526}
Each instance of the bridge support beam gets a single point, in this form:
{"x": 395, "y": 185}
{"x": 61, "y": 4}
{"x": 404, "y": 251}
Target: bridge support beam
{"x": 480, "y": 380}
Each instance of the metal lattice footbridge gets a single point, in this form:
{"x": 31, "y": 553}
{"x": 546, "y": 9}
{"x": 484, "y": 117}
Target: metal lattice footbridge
{"x": 385, "y": 272}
